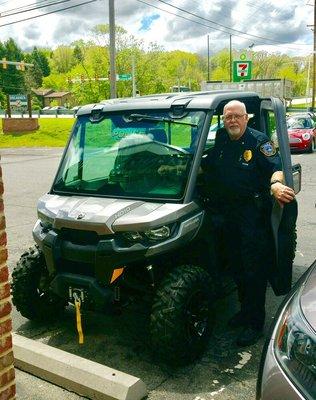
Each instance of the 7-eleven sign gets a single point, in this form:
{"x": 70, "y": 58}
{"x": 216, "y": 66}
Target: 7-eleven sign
{"x": 241, "y": 70}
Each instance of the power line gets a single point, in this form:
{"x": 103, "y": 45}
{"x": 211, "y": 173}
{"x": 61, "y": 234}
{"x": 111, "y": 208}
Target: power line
{"x": 51, "y": 12}
{"x": 223, "y": 26}
{"x": 20, "y": 10}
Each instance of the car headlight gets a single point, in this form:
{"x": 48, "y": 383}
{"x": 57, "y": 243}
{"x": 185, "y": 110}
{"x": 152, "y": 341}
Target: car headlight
{"x": 306, "y": 136}
{"x": 156, "y": 234}
{"x": 295, "y": 348}
{"x": 159, "y": 233}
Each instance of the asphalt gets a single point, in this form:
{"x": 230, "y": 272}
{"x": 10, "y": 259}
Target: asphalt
{"x": 29, "y": 387}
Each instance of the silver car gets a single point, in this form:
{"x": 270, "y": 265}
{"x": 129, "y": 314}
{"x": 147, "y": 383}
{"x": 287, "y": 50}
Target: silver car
{"x": 288, "y": 364}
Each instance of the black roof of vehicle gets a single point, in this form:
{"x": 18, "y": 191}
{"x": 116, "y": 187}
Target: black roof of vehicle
{"x": 190, "y": 100}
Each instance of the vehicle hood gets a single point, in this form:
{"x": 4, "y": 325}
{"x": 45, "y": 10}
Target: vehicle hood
{"x": 308, "y": 298}
{"x": 299, "y": 132}
{"x": 107, "y": 215}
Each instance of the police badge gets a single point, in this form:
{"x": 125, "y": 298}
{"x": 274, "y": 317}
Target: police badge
{"x": 268, "y": 149}
{"x": 247, "y": 155}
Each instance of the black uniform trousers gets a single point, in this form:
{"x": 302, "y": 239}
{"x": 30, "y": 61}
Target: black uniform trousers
{"x": 241, "y": 228}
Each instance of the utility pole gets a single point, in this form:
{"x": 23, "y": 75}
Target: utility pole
{"x": 112, "y": 50}
{"x": 133, "y": 75}
{"x": 230, "y": 58}
{"x": 208, "y": 58}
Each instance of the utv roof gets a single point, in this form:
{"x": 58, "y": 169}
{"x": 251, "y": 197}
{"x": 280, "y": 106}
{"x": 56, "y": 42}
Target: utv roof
{"x": 190, "y": 100}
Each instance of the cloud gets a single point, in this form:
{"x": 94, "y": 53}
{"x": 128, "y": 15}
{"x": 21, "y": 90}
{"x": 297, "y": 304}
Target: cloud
{"x": 279, "y": 20}
{"x": 67, "y": 30}
{"x": 32, "y": 32}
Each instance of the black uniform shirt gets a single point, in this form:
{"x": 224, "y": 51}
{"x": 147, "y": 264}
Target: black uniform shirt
{"x": 240, "y": 168}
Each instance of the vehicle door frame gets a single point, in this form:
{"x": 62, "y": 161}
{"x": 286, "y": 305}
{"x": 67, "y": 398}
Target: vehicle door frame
{"x": 283, "y": 218}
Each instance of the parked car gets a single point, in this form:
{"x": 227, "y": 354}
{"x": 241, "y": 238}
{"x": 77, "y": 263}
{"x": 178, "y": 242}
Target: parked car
{"x": 58, "y": 108}
{"x": 302, "y": 133}
{"x": 75, "y": 109}
{"x": 46, "y": 108}
{"x": 288, "y": 364}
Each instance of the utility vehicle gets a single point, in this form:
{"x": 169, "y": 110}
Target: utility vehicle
{"x": 111, "y": 224}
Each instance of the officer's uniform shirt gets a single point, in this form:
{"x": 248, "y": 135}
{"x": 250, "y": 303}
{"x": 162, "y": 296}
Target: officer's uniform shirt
{"x": 240, "y": 169}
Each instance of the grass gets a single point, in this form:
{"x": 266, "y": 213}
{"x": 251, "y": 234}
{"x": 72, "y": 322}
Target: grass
{"x": 53, "y": 132}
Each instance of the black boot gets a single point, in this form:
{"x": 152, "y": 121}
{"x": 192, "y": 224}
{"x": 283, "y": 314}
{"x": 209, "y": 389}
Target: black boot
{"x": 237, "y": 320}
{"x": 248, "y": 336}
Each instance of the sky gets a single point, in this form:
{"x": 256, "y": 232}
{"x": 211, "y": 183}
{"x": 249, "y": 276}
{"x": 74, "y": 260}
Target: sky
{"x": 189, "y": 25}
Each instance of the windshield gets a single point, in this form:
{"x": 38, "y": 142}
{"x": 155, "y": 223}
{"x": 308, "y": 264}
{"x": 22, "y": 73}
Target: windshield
{"x": 120, "y": 155}
{"x": 299, "y": 123}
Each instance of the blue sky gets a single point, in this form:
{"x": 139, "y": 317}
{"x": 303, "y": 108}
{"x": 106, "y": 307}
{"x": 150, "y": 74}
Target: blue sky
{"x": 147, "y": 21}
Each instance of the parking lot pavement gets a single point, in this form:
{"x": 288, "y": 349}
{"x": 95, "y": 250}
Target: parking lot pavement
{"x": 121, "y": 342}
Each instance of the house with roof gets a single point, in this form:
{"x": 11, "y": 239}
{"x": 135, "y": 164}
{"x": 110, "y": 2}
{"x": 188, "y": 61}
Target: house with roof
{"x": 47, "y": 96}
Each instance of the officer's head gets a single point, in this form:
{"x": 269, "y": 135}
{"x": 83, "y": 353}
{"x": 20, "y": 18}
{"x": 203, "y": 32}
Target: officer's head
{"x": 235, "y": 118}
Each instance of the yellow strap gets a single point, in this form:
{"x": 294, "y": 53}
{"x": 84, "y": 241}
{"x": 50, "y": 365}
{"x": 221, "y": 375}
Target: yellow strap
{"x": 78, "y": 318}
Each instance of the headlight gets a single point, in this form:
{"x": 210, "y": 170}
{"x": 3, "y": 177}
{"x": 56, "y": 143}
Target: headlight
{"x": 158, "y": 234}
{"x": 306, "y": 136}
{"x": 295, "y": 349}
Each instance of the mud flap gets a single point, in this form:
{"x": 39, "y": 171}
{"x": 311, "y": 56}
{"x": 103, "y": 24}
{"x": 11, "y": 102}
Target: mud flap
{"x": 280, "y": 276}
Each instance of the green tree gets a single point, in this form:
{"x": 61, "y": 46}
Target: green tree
{"x": 62, "y": 59}
{"x": 11, "y": 79}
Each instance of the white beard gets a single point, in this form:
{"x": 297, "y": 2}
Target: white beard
{"x": 234, "y": 133}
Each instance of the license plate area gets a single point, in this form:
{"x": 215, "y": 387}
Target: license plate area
{"x": 77, "y": 293}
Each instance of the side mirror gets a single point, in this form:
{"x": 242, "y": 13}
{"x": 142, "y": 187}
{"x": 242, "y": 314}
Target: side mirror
{"x": 297, "y": 176}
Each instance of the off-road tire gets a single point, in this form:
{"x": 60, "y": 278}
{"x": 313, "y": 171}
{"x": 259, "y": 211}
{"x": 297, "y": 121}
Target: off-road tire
{"x": 181, "y": 318}
{"x": 30, "y": 293}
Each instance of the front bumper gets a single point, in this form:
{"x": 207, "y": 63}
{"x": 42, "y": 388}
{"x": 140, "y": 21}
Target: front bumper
{"x": 96, "y": 258}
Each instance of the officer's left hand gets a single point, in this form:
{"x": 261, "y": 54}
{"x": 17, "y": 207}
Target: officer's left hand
{"x": 283, "y": 194}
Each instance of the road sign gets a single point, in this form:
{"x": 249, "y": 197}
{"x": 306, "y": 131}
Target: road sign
{"x": 241, "y": 70}
{"x": 124, "y": 77}
{"x": 18, "y": 100}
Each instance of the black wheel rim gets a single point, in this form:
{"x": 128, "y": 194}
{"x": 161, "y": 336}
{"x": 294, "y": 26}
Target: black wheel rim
{"x": 197, "y": 313}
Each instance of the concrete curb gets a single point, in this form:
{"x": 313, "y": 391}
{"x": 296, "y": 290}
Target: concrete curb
{"x": 84, "y": 377}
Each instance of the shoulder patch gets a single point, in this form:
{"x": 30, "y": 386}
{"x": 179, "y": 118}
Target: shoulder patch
{"x": 268, "y": 149}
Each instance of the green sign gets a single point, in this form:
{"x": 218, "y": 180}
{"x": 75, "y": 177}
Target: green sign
{"x": 18, "y": 100}
{"x": 123, "y": 77}
{"x": 241, "y": 70}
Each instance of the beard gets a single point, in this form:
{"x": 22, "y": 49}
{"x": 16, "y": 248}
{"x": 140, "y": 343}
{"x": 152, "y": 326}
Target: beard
{"x": 234, "y": 132}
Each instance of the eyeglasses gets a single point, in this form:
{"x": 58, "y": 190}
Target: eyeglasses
{"x": 229, "y": 117}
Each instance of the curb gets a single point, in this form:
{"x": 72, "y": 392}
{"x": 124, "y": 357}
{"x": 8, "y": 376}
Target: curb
{"x": 74, "y": 373}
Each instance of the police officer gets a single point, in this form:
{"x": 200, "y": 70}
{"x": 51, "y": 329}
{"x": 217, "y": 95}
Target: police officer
{"x": 241, "y": 172}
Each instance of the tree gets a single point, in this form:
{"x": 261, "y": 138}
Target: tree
{"x": 39, "y": 57}
{"x": 62, "y": 59}
{"x": 11, "y": 79}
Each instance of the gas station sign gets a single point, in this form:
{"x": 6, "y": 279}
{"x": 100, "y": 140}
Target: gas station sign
{"x": 242, "y": 68}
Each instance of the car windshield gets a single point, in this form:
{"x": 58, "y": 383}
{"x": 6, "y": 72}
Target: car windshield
{"x": 120, "y": 155}
{"x": 299, "y": 123}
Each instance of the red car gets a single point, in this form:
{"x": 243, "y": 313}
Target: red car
{"x": 302, "y": 133}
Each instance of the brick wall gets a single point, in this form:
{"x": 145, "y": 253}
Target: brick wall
{"x": 7, "y": 378}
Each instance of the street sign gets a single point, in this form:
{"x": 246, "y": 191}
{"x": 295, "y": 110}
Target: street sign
{"x": 241, "y": 70}
{"x": 18, "y": 100}
{"x": 124, "y": 77}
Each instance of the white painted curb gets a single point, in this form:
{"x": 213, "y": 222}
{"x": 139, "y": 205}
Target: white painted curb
{"x": 84, "y": 377}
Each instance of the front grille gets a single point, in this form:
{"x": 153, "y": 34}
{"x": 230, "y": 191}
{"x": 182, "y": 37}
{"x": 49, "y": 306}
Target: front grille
{"x": 79, "y": 237}
{"x": 75, "y": 267}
